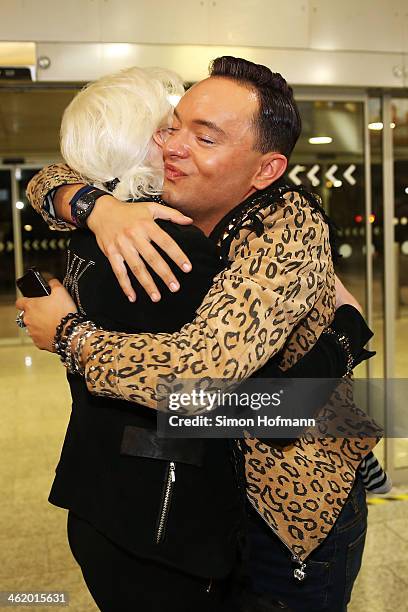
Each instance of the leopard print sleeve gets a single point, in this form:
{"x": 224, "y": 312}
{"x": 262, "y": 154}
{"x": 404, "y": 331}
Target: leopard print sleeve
{"x": 43, "y": 183}
{"x": 273, "y": 283}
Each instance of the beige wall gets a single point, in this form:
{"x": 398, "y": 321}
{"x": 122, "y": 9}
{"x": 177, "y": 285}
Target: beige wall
{"x": 364, "y": 25}
{"x": 327, "y": 42}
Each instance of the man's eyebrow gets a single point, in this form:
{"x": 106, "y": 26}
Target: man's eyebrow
{"x": 210, "y": 124}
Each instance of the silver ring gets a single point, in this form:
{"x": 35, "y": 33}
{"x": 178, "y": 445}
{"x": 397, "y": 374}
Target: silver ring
{"x": 20, "y": 320}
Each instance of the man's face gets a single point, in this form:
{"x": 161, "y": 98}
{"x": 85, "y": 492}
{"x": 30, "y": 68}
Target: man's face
{"x": 209, "y": 154}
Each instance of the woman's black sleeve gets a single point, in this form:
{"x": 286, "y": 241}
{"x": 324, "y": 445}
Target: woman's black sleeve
{"x": 327, "y": 358}
{"x": 174, "y": 309}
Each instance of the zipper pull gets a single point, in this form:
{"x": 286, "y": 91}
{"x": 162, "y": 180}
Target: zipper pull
{"x": 299, "y": 573}
{"x": 173, "y": 471}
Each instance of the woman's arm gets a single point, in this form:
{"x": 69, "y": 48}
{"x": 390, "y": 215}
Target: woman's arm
{"x": 125, "y": 232}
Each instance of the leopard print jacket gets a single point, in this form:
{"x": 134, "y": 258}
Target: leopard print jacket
{"x": 276, "y": 295}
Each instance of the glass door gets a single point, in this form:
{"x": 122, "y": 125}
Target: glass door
{"x": 395, "y": 139}
{"x": 8, "y": 328}
{"x": 41, "y": 247}
{"x": 25, "y": 241}
{"x": 332, "y": 158}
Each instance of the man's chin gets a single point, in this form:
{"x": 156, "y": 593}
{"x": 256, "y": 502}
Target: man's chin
{"x": 170, "y": 193}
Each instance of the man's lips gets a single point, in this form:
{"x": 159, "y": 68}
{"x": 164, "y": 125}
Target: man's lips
{"x": 172, "y": 172}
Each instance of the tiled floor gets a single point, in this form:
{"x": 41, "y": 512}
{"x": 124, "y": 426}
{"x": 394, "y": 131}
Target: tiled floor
{"x": 34, "y": 408}
{"x": 34, "y": 555}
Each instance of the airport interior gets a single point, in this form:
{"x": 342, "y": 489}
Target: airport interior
{"x": 348, "y": 65}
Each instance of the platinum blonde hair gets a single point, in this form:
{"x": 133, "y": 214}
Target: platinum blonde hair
{"x": 106, "y": 130}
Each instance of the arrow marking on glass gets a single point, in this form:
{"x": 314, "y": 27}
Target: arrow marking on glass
{"x": 293, "y": 174}
{"x": 348, "y": 174}
{"x": 311, "y": 175}
{"x": 330, "y": 173}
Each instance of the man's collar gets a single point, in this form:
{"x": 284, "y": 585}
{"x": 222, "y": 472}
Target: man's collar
{"x": 274, "y": 191}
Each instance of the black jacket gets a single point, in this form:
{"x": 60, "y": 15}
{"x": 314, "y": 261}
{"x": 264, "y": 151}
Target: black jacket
{"x": 114, "y": 471}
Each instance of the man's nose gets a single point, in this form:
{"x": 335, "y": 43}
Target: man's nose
{"x": 175, "y": 146}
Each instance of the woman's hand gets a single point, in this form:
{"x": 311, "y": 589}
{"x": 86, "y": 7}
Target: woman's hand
{"x": 343, "y": 296}
{"x": 43, "y": 315}
{"x": 126, "y": 231}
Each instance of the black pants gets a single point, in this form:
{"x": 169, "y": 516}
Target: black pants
{"x": 331, "y": 569}
{"x": 121, "y": 582}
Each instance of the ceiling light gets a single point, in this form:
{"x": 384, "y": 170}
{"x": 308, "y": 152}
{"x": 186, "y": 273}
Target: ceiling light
{"x": 345, "y": 250}
{"x": 320, "y": 140}
{"x": 20, "y": 205}
{"x": 337, "y": 183}
{"x": 117, "y": 50}
{"x": 378, "y": 125}
{"x": 28, "y": 228}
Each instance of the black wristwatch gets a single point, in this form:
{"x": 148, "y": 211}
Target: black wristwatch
{"x": 82, "y": 204}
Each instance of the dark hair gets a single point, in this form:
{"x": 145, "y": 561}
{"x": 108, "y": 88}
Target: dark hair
{"x": 277, "y": 123}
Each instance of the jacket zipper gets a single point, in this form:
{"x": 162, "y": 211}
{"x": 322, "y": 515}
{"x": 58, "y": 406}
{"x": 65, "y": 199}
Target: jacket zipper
{"x": 169, "y": 481}
{"x": 298, "y": 573}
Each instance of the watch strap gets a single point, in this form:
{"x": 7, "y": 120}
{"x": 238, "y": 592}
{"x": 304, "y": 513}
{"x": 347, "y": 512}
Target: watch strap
{"x": 83, "y": 202}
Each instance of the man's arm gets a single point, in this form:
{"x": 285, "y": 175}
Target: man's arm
{"x": 278, "y": 292}
{"x": 42, "y": 193}
{"x": 246, "y": 317}
{"x": 328, "y": 358}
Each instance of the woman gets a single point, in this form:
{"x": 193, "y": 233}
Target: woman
{"x": 129, "y": 525}
{"x": 96, "y": 521}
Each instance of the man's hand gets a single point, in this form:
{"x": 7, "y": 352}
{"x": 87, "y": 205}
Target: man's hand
{"x": 43, "y": 315}
{"x": 125, "y": 232}
{"x": 343, "y": 296}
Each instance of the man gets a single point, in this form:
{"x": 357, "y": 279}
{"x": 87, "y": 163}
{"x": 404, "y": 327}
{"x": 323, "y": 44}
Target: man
{"x": 230, "y": 141}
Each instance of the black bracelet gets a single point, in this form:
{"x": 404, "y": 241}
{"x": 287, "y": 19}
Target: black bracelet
{"x": 83, "y": 202}
{"x": 65, "y": 345}
{"x": 60, "y": 342}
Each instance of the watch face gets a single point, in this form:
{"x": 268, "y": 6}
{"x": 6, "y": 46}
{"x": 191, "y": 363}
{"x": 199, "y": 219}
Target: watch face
{"x": 85, "y": 202}
{"x": 84, "y": 206}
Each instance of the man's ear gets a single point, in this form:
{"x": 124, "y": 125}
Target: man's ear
{"x": 271, "y": 168}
